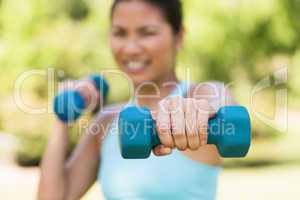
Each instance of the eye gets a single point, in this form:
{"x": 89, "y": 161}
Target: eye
{"x": 118, "y": 33}
{"x": 148, "y": 32}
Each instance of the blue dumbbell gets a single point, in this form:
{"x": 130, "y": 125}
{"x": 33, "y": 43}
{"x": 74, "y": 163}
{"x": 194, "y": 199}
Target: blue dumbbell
{"x": 69, "y": 104}
{"x": 229, "y": 130}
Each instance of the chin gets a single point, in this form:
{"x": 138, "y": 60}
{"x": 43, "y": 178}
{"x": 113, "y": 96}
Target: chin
{"x": 141, "y": 77}
{"x": 137, "y": 80}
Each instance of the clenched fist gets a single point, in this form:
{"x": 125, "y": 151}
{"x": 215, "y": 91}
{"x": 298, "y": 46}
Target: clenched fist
{"x": 182, "y": 123}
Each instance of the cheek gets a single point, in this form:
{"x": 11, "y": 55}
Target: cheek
{"x": 161, "y": 49}
{"x": 115, "y": 46}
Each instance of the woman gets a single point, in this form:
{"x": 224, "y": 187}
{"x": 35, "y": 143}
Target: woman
{"x": 145, "y": 38}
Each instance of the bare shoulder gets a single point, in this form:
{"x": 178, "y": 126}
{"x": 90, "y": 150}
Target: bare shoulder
{"x": 217, "y": 93}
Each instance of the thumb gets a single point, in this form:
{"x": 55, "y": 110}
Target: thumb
{"x": 161, "y": 150}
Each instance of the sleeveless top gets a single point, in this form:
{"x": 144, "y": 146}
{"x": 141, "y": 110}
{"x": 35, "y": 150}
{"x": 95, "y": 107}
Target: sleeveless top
{"x": 172, "y": 177}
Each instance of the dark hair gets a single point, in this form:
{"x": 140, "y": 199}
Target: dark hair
{"x": 171, "y": 9}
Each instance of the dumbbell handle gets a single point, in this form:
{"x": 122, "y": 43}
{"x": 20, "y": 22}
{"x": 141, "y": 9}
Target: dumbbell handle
{"x": 70, "y": 104}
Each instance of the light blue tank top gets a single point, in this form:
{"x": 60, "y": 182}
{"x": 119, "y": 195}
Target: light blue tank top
{"x": 172, "y": 177}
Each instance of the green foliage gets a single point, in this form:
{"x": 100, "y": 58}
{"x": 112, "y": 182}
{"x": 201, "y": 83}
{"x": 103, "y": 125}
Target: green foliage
{"x": 221, "y": 36}
{"x": 77, "y": 9}
{"x": 1, "y": 122}
{"x": 230, "y": 41}
{"x": 30, "y": 149}
{"x": 225, "y": 37}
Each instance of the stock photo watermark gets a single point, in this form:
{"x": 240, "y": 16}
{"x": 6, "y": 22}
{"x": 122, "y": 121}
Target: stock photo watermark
{"x": 217, "y": 98}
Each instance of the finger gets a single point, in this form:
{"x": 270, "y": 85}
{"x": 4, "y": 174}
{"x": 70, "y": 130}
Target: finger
{"x": 86, "y": 88}
{"x": 202, "y": 105}
{"x": 94, "y": 102}
{"x": 178, "y": 123}
{"x": 163, "y": 124}
{"x": 203, "y": 113}
{"x": 161, "y": 150}
{"x": 193, "y": 139}
{"x": 89, "y": 92}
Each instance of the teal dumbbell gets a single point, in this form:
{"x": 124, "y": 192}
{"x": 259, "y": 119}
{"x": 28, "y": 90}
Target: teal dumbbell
{"x": 69, "y": 104}
{"x": 229, "y": 130}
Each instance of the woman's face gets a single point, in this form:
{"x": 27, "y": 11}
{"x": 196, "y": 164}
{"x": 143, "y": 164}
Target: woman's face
{"x": 142, "y": 42}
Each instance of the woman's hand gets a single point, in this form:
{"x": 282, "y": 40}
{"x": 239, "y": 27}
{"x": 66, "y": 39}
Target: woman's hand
{"x": 182, "y": 123}
{"x": 87, "y": 90}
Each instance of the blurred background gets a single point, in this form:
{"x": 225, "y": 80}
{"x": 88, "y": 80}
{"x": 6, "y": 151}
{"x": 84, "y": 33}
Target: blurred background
{"x": 252, "y": 45}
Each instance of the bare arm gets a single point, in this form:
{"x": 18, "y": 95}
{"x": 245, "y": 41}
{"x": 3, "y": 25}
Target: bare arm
{"x": 63, "y": 178}
{"x": 52, "y": 181}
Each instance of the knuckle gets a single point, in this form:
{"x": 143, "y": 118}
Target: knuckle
{"x": 179, "y": 138}
{"x": 190, "y": 102}
{"x": 190, "y": 127}
{"x": 191, "y": 133}
{"x": 171, "y": 145}
{"x": 202, "y": 102}
{"x": 190, "y": 115}
{"x": 203, "y": 126}
{"x": 163, "y": 128}
{"x": 175, "y": 98}
{"x": 202, "y": 122}
{"x": 189, "y": 106}
{"x": 202, "y": 105}
{"x": 203, "y": 139}
{"x": 178, "y": 131}
{"x": 203, "y": 134}
{"x": 193, "y": 142}
{"x": 168, "y": 143}
{"x": 189, "y": 130}
{"x": 176, "y": 101}
{"x": 164, "y": 105}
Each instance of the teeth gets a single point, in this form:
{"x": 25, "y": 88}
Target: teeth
{"x": 135, "y": 65}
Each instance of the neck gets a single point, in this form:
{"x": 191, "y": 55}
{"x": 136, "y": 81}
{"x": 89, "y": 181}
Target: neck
{"x": 150, "y": 93}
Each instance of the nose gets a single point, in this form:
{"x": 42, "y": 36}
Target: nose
{"x": 132, "y": 48}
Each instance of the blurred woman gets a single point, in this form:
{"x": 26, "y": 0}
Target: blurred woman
{"x": 145, "y": 37}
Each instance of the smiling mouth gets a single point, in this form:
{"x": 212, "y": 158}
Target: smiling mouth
{"x": 136, "y": 66}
